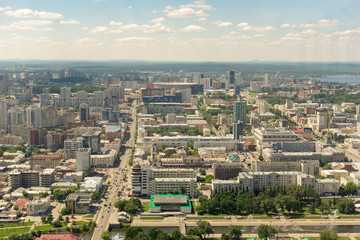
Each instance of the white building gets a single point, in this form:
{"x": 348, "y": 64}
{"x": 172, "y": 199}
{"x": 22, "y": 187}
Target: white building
{"x": 83, "y": 159}
{"x": 37, "y": 207}
{"x": 91, "y": 184}
{"x": 106, "y": 159}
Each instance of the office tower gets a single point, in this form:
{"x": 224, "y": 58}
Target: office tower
{"x": 16, "y": 116}
{"x": 231, "y": 77}
{"x": 82, "y": 159}
{"x": 91, "y": 140}
{"x": 84, "y": 112}
{"x": 50, "y": 117}
{"x": 3, "y": 116}
{"x": 65, "y": 95}
{"x": 239, "y": 79}
{"x": 34, "y": 116}
{"x": 237, "y": 130}
{"x": 263, "y": 107}
{"x": 266, "y": 80}
{"x": 4, "y": 83}
{"x": 240, "y": 112}
{"x": 322, "y": 118}
{"x": 196, "y": 77}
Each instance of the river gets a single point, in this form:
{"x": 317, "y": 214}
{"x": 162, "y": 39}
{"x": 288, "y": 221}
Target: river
{"x": 352, "y": 79}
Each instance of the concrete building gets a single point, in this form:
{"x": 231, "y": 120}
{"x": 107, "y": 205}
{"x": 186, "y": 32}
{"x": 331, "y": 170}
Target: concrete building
{"x": 31, "y": 178}
{"x": 106, "y": 159}
{"x": 38, "y": 206}
{"x": 266, "y": 136}
{"x": 79, "y": 202}
{"x": 322, "y": 119}
{"x": 170, "y": 202}
{"x": 3, "y": 116}
{"x": 4, "y": 83}
{"x": 84, "y": 112}
{"x": 91, "y": 140}
{"x": 186, "y": 186}
{"x": 225, "y": 171}
{"x": 45, "y": 161}
{"x": 34, "y": 117}
{"x": 91, "y": 184}
{"x": 250, "y": 181}
{"x": 71, "y": 146}
{"x": 310, "y": 167}
{"x": 83, "y": 159}
{"x": 240, "y": 112}
{"x": 335, "y": 174}
{"x": 47, "y": 177}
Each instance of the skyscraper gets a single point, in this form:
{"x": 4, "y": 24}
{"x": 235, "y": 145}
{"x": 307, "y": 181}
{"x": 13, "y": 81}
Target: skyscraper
{"x": 322, "y": 118}
{"x": 82, "y": 159}
{"x": 3, "y": 116}
{"x": 240, "y": 112}
{"x": 34, "y": 116}
{"x": 231, "y": 77}
{"x": 84, "y": 112}
{"x": 4, "y": 83}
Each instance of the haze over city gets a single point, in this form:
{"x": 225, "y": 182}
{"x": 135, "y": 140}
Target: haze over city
{"x": 324, "y": 30}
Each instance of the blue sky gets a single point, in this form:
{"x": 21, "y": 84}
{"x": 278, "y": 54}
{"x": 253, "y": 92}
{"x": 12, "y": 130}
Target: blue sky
{"x": 213, "y": 30}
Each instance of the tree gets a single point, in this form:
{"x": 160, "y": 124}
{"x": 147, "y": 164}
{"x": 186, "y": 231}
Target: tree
{"x": 153, "y": 232}
{"x": 95, "y": 195}
{"x": 105, "y": 235}
{"x": 131, "y": 208}
{"x": 16, "y": 207}
{"x": 327, "y": 167}
{"x": 202, "y": 172}
{"x": 224, "y": 236}
{"x": 346, "y": 205}
{"x": 182, "y": 189}
{"x": 234, "y": 232}
{"x": 49, "y": 218}
{"x": 132, "y": 232}
{"x": 61, "y": 218}
{"x": 67, "y": 219}
{"x": 65, "y": 211}
{"x": 261, "y": 158}
{"x": 328, "y": 235}
{"x": 120, "y": 204}
{"x": 205, "y": 228}
{"x": 312, "y": 208}
{"x": 176, "y": 235}
{"x": 136, "y": 201}
{"x": 57, "y": 224}
{"x": 25, "y": 194}
{"x": 324, "y": 207}
{"x": 350, "y": 188}
{"x": 209, "y": 178}
{"x": 264, "y": 231}
{"x": 43, "y": 219}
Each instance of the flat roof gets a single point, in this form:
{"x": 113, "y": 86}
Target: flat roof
{"x": 170, "y": 199}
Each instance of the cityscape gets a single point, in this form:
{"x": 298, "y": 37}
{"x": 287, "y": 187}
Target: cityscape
{"x": 132, "y": 120}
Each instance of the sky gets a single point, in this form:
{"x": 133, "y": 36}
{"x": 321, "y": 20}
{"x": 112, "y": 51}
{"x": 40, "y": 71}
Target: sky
{"x": 177, "y": 30}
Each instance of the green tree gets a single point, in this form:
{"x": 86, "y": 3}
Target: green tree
{"x": 16, "y": 207}
{"x": 43, "y": 219}
{"x": 205, "y": 228}
{"x": 327, "y": 167}
{"x": 176, "y": 235}
{"x": 49, "y": 218}
{"x": 25, "y": 194}
{"x": 351, "y": 188}
{"x": 261, "y": 158}
{"x": 57, "y": 224}
{"x": 120, "y": 204}
{"x": 131, "y": 208}
{"x": 65, "y": 211}
{"x": 264, "y": 231}
{"x": 105, "y": 235}
{"x": 132, "y": 232}
{"x": 95, "y": 195}
{"x": 234, "y": 232}
{"x": 328, "y": 235}
{"x": 346, "y": 205}
{"x": 153, "y": 232}
{"x": 67, "y": 219}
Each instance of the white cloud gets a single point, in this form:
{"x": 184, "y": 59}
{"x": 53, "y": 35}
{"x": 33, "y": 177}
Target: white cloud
{"x": 70, "y": 21}
{"x": 104, "y": 30}
{"x": 37, "y": 25}
{"x": 154, "y": 11}
{"x": 222, "y": 24}
{"x": 135, "y": 40}
{"x": 193, "y": 28}
{"x": 2, "y": 9}
{"x": 88, "y": 41}
{"x": 317, "y": 24}
{"x": 129, "y": 7}
{"x": 117, "y": 27}
{"x": 157, "y": 20}
{"x": 196, "y": 9}
{"x": 246, "y": 27}
{"x": 348, "y": 32}
{"x": 28, "y": 13}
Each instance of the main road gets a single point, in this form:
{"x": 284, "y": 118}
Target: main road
{"x": 115, "y": 176}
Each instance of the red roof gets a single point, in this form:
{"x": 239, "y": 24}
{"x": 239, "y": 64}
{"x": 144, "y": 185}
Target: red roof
{"x": 66, "y": 236}
{"x": 248, "y": 143}
{"x": 21, "y": 202}
{"x": 301, "y": 130}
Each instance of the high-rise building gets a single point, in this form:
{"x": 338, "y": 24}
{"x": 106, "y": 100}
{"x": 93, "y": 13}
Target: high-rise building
{"x": 92, "y": 140}
{"x": 65, "y": 95}
{"x": 3, "y": 116}
{"x": 231, "y": 77}
{"x": 16, "y": 116}
{"x": 266, "y": 80}
{"x": 237, "y": 130}
{"x": 322, "y": 117}
{"x": 4, "y": 83}
{"x": 84, "y": 112}
{"x": 34, "y": 116}
{"x": 82, "y": 159}
{"x": 240, "y": 111}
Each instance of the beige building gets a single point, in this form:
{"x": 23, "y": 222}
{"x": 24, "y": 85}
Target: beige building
{"x": 38, "y": 206}
{"x": 186, "y": 186}
{"x": 336, "y": 174}
{"x": 308, "y": 167}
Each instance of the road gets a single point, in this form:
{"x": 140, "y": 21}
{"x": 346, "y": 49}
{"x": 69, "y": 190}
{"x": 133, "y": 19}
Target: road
{"x": 115, "y": 176}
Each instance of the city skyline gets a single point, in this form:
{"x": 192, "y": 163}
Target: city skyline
{"x": 325, "y": 30}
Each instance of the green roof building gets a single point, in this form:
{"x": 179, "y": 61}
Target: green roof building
{"x": 170, "y": 202}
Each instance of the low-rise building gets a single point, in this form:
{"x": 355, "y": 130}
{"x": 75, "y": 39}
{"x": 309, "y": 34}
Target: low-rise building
{"x": 181, "y": 185}
{"x": 225, "y": 171}
{"x": 106, "y": 159}
{"x": 91, "y": 184}
{"x": 79, "y": 202}
{"x": 170, "y": 202}
{"x": 336, "y": 174}
{"x": 38, "y": 206}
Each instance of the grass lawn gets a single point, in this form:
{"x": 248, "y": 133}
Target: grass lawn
{"x": 146, "y": 206}
{"x": 19, "y": 224}
{"x": 80, "y": 222}
{"x": 7, "y": 231}
{"x": 45, "y": 227}
{"x": 151, "y": 218}
{"x": 89, "y": 216}
{"x": 205, "y": 217}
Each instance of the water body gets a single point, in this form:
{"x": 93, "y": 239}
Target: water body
{"x": 352, "y": 79}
